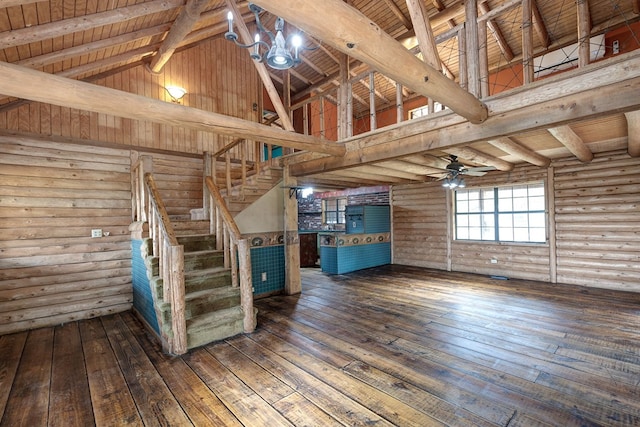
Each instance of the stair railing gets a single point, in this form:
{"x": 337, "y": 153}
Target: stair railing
{"x": 237, "y": 253}
{"x": 143, "y": 165}
{"x": 170, "y": 264}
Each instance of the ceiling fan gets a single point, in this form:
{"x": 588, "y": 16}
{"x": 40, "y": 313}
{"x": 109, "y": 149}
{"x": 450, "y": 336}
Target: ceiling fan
{"x": 452, "y": 178}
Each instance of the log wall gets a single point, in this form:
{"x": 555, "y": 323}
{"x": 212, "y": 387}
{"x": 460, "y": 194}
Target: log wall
{"x": 594, "y": 230}
{"x": 51, "y": 196}
{"x": 218, "y": 77}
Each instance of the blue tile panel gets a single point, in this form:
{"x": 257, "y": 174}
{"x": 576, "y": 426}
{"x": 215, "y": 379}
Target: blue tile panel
{"x": 368, "y": 219}
{"x": 270, "y": 260}
{"x": 142, "y": 297}
{"x": 345, "y": 259}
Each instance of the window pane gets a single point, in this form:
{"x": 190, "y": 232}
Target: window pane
{"x": 342, "y": 204}
{"x": 505, "y": 220}
{"x": 462, "y": 233}
{"x": 520, "y": 234}
{"x": 488, "y": 220}
{"x": 505, "y": 205}
{"x": 520, "y": 220}
{"x": 488, "y": 205}
{"x": 475, "y": 233}
{"x": 474, "y": 194}
{"x": 504, "y": 192}
{"x": 520, "y": 204}
{"x": 488, "y": 233}
{"x": 462, "y": 206}
{"x": 462, "y": 220}
{"x": 331, "y": 217}
{"x": 474, "y": 205}
{"x": 506, "y": 234}
{"x": 474, "y": 220}
{"x": 520, "y": 191}
{"x": 537, "y": 220}
{"x": 537, "y": 234}
{"x": 536, "y": 190}
{"x": 536, "y": 203}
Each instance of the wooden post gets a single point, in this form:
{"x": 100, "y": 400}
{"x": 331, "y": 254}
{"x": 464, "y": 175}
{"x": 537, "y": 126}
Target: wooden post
{"x": 372, "y": 102}
{"x": 233, "y": 262}
{"x": 343, "y": 96}
{"x": 584, "y": 33}
{"x": 527, "y": 41}
{"x": 246, "y": 285}
{"x": 551, "y": 225}
{"x": 483, "y": 60}
{"x": 473, "y": 51}
{"x": 463, "y": 77}
{"x": 178, "y": 321}
{"x": 399, "y": 104}
{"x": 207, "y": 170}
{"x": 293, "y": 283}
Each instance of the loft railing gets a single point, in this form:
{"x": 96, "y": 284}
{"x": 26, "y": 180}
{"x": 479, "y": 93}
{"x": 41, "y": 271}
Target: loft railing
{"x": 170, "y": 264}
{"x": 237, "y": 253}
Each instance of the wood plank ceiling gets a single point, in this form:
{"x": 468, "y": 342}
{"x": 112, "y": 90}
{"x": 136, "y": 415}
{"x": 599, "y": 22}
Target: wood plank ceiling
{"x": 88, "y": 39}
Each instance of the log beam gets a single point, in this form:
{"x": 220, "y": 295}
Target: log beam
{"x": 362, "y": 39}
{"x": 55, "y": 29}
{"x": 480, "y": 157}
{"x": 559, "y": 100}
{"x": 424, "y": 33}
{"x": 183, "y": 24}
{"x": 573, "y": 142}
{"x": 50, "y": 89}
{"x": 269, "y": 87}
{"x": 633, "y": 132}
{"x": 509, "y": 146}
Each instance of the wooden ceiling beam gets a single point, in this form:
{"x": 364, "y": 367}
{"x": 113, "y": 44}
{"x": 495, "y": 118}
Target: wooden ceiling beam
{"x": 572, "y": 142}
{"x": 362, "y": 39}
{"x": 538, "y": 25}
{"x": 476, "y": 156}
{"x": 184, "y": 23}
{"x": 633, "y": 132}
{"x": 611, "y": 87}
{"x": 54, "y": 29}
{"x": 10, "y": 3}
{"x": 401, "y": 16}
{"x": 37, "y": 86}
{"x": 509, "y": 146}
{"x": 497, "y": 33}
{"x": 409, "y": 167}
{"x": 384, "y": 171}
{"x": 424, "y": 33}
{"x": 261, "y": 68}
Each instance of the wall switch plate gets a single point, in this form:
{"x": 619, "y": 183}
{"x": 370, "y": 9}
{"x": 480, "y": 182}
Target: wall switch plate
{"x": 494, "y": 261}
{"x": 96, "y": 232}
{"x": 264, "y": 276}
{"x": 616, "y": 46}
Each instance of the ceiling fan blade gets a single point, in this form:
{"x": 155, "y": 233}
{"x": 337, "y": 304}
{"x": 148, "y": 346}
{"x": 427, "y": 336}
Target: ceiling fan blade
{"x": 473, "y": 173}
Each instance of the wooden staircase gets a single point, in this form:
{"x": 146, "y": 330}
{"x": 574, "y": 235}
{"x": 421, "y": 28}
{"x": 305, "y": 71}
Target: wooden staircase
{"x": 240, "y": 196}
{"x": 212, "y": 305}
{"x": 201, "y": 284}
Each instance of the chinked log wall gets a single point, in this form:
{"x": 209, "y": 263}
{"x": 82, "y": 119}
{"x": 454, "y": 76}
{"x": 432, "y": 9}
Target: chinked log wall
{"x": 52, "y": 194}
{"x": 595, "y": 227}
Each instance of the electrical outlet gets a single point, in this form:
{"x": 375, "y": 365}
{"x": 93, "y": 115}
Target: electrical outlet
{"x": 264, "y": 276}
{"x": 616, "y": 47}
{"x": 494, "y": 261}
{"x": 96, "y": 232}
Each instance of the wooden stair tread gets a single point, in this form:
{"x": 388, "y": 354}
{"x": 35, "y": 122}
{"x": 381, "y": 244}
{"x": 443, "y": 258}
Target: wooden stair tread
{"x": 216, "y": 292}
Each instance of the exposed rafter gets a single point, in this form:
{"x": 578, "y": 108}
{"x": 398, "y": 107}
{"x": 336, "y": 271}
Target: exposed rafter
{"x": 572, "y": 142}
{"x": 363, "y": 39}
{"x": 183, "y": 24}
{"x": 509, "y": 146}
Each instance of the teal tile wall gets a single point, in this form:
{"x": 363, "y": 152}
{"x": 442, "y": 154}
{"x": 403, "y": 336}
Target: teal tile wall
{"x": 345, "y": 259}
{"x": 270, "y": 260}
{"x": 142, "y": 297}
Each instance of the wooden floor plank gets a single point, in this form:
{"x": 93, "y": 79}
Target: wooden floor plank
{"x": 155, "y": 402}
{"x": 390, "y": 345}
{"x": 28, "y": 402}
{"x": 11, "y": 347}
{"x": 248, "y": 407}
{"x": 110, "y": 395}
{"x": 199, "y": 402}
{"x": 70, "y": 402}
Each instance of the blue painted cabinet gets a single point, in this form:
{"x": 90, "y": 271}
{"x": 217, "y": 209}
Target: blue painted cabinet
{"x": 367, "y": 219}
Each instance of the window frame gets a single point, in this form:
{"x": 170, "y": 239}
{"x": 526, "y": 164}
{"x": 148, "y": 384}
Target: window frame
{"x": 339, "y": 211}
{"x": 488, "y": 216}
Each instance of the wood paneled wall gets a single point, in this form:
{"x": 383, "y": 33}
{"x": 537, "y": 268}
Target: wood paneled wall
{"x": 597, "y": 212}
{"x": 51, "y": 196}
{"x": 595, "y": 226}
{"x": 217, "y": 75}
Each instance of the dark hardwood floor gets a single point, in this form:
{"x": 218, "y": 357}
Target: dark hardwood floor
{"x": 386, "y": 346}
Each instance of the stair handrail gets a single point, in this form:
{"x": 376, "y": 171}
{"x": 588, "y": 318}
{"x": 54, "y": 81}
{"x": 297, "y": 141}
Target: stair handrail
{"x": 170, "y": 264}
{"x": 233, "y": 241}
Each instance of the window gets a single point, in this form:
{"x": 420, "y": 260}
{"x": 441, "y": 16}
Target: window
{"x": 333, "y": 211}
{"x": 424, "y": 110}
{"x": 504, "y": 214}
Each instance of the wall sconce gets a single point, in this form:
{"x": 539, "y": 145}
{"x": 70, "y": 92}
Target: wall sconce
{"x": 176, "y": 93}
